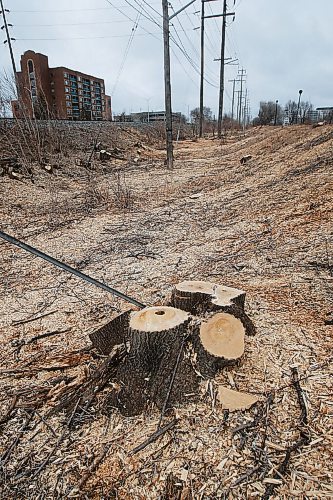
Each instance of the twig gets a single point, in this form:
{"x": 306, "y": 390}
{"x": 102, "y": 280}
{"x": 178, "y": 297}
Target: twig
{"x": 159, "y": 432}
{"x": 94, "y": 465}
{"x": 58, "y": 442}
{"x": 24, "y": 321}
{"x": 304, "y": 438}
{"x": 6, "y": 454}
{"x": 12, "y": 406}
{"x": 246, "y": 476}
{"x": 20, "y": 343}
{"x": 300, "y": 395}
{"x": 174, "y": 373}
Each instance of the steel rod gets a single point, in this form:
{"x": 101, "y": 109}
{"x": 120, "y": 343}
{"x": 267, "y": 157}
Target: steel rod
{"x": 69, "y": 269}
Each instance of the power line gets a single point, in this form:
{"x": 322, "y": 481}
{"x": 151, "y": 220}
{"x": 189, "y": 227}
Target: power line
{"x": 73, "y": 10}
{"x": 87, "y": 37}
{"x": 148, "y": 16}
{"x": 126, "y": 53}
{"x": 73, "y": 24}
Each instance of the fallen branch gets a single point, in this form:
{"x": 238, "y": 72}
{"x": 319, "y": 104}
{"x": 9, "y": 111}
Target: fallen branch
{"x": 171, "y": 384}
{"x": 159, "y": 432}
{"x": 30, "y": 320}
{"x": 87, "y": 391}
{"x": 304, "y": 436}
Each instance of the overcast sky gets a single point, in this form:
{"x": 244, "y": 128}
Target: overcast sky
{"x": 284, "y": 46}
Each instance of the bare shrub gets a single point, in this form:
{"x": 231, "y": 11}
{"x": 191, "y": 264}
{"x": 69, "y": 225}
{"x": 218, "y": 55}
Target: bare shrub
{"x": 122, "y": 194}
{"x": 96, "y": 195}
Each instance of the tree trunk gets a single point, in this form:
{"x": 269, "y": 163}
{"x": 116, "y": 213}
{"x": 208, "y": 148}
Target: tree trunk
{"x": 218, "y": 342}
{"x": 200, "y": 297}
{"x": 156, "y": 338}
{"x": 111, "y": 334}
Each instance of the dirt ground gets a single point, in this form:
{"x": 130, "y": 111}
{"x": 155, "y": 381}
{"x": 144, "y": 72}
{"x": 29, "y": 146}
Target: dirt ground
{"x": 265, "y": 227}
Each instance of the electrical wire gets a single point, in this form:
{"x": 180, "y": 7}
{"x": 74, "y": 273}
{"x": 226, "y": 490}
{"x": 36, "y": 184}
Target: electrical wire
{"x": 72, "y": 24}
{"x": 71, "y": 10}
{"x": 129, "y": 43}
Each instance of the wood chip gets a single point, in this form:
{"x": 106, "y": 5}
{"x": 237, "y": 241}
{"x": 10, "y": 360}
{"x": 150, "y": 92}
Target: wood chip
{"x": 233, "y": 400}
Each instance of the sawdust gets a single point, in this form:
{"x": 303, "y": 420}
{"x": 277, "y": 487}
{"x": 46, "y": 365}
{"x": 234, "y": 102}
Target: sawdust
{"x": 265, "y": 227}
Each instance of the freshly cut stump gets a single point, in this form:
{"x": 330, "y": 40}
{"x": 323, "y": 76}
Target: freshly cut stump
{"x": 200, "y": 297}
{"x": 234, "y": 400}
{"x": 111, "y": 334}
{"x": 152, "y": 333}
{"x": 156, "y": 336}
{"x": 219, "y": 343}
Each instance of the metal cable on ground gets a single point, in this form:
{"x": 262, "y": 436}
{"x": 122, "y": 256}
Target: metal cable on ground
{"x": 69, "y": 269}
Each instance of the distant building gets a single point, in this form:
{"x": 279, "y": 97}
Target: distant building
{"x": 146, "y": 117}
{"x": 59, "y": 92}
{"x": 325, "y": 113}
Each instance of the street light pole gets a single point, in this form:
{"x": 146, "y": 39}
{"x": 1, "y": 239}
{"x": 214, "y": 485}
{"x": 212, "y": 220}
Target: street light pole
{"x": 276, "y": 107}
{"x": 298, "y": 105}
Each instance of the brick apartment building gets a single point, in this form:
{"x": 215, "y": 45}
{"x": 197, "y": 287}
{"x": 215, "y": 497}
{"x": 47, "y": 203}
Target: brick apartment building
{"x": 60, "y": 93}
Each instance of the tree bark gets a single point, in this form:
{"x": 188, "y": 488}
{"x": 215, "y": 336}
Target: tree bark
{"x": 200, "y": 297}
{"x": 155, "y": 335}
{"x": 111, "y": 334}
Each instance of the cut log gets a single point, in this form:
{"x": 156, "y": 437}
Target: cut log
{"x": 218, "y": 343}
{"x": 200, "y": 297}
{"x": 113, "y": 333}
{"x": 234, "y": 400}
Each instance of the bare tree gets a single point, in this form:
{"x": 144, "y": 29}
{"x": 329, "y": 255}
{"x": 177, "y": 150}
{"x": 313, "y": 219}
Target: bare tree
{"x": 267, "y": 112}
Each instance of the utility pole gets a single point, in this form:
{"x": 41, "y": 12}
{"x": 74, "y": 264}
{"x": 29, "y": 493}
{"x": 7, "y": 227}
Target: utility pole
{"x": 9, "y": 41}
{"x": 242, "y": 76}
{"x": 167, "y": 78}
{"x": 220, "y": 115}
{"x": 167, "y": 84}
{"x": 233, "y": 96}
{"x": 201, "y": 114}
{"x": 244, "y": 111}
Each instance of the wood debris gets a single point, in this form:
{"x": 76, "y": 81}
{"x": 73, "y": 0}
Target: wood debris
{"x": 264, "y": 227}
{"x": 234, "y": 400}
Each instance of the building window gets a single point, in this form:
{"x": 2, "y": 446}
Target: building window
{"x": 66, "y": 75}
{"x": 68, "y": 97}
{"x": 68, "y": 104}
{"x": 66, "y": 89}
{"x": 30, "y": 66}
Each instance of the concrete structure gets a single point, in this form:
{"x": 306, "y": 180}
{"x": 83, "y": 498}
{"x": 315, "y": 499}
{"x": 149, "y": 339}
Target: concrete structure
{"x": 60, "y": 92}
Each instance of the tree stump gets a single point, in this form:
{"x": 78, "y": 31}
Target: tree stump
{"x": 111, "y": 334}
{"x": 155, "y": 336}
{"x": 200, "y": 297}
{"x": 218, "y": 343}
{"x": 170, "y": 349}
